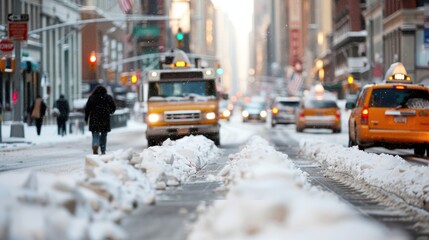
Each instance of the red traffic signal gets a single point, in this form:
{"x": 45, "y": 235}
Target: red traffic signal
{"x": 92, "y": 57}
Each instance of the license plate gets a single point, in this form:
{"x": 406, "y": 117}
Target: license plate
{"x": 400, "y": 119}
{"x": 183, "y": 131}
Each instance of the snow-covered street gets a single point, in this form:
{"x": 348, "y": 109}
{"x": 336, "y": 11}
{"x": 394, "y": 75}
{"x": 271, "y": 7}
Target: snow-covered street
{"x": 267, "y": 195}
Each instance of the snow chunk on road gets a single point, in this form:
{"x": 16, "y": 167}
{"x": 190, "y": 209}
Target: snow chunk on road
{"x": 174, "y": 161}
{"x": 270, "y": 198}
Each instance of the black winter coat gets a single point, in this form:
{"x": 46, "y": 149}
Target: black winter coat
{"x": 63, "y": 106}
{"x": 98, "y": 109}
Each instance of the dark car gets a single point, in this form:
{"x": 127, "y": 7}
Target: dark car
{"x": 254, "y": 111}
{"x": 283, "y": 110}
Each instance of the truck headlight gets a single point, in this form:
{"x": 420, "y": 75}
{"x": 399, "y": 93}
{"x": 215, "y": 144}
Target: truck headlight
{"x": 153, "y": 118}
{"x": 245, "y": 113}
{"x": 263, "y": 114}
{"x": 210, "y": 115}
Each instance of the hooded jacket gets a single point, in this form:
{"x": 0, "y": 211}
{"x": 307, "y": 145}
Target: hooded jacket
{"x": 98, "y": 109}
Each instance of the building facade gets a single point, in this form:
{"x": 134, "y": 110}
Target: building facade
{"x": 349, "y": 40}
{"x": 61, "y": 57}
{"x": 30, "y": 50}
{"x": 404, "y": 38}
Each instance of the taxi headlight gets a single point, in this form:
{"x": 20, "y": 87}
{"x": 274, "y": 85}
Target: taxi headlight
{"x": 210, "y": 115}
{"x": 153, "y": 118}
{"x": 263, "y": 114}
{"x": 245, "y": 113}
{"x": 226, "y": 113}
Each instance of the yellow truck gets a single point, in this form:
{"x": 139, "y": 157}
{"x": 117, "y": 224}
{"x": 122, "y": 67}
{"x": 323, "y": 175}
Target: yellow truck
{"x": 182, "y": 100}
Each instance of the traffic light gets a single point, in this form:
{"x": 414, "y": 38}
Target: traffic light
{"x": 92, "y": 61}
{"x": 350, "y": 79}
{"x": 179, "y": 38}
{"x": 7, "y": 64}
{"x": 219, "y": 69}
{"x": 134, "y": 79}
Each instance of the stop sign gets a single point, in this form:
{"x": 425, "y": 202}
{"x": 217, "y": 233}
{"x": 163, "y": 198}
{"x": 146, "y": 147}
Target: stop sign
{"x": 6, "y": 45}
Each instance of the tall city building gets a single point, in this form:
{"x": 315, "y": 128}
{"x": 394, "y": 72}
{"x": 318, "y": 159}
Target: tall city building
{"x": 108, "y": 41}
{"x": 61, "y": 56}
{"x": 405, "y": 23}
{"x": 349, "y": 40}
{"x": 374, "y": 43}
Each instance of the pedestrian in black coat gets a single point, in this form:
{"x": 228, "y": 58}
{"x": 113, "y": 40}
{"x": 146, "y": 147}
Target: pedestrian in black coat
{"x": 98, "y": 109}
{"x": 37, "y": 112}
{"x": 63, "y": 114}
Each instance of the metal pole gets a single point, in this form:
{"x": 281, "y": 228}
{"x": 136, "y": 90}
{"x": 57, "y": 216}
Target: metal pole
{"x": 17, "y": 127}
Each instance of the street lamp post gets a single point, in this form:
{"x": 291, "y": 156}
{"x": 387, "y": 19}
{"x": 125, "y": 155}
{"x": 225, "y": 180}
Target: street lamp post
{"x": 17, "y": 127}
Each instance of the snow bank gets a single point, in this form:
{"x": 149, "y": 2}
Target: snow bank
{"x": 270, "y": 198}
{"x": 174, "y": 161}
{"x": 391, "y": 173}
{"x": 44, "y": 206}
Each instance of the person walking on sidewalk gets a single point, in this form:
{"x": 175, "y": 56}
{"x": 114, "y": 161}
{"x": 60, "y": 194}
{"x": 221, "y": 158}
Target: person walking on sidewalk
{"x": 37, "y": 112}
{"x": 98, "y": 109}
{"x": 63, "y": 109}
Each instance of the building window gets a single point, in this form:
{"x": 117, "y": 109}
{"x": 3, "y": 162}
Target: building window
{"x": 422, "y": 51}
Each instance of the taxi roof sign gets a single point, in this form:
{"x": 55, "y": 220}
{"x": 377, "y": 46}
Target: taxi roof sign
{"x": 397, "y": 74}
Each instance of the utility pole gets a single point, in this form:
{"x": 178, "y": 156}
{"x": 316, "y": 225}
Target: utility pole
{"x": 17, "y": 127}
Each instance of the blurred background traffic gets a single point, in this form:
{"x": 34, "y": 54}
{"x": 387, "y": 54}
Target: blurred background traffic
{"x": 260, "y": 49}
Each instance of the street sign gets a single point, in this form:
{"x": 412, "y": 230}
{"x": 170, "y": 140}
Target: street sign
{"x": 18, "y": 31}
{"x": 18, "y": 18}
{"x": 6, "y": 45}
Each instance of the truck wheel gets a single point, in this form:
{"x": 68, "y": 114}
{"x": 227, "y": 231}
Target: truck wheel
{"x": 216, "y": 139}
{"x": 152, "y": 142}
{"x": 419, "y": 150}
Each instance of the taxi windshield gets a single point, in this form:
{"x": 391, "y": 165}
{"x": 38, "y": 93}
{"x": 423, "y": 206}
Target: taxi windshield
{"x": 400, "y": 98}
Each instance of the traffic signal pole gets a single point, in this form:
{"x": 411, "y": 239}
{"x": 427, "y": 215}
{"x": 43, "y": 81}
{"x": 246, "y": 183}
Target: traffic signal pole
{"x": 17, "y": 126}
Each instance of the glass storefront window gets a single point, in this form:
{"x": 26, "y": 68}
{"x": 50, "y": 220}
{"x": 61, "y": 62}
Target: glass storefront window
{"x": 422, "y": 51}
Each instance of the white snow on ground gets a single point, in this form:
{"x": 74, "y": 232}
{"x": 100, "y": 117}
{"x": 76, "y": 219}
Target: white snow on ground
{"x": 270, "y": 198}
{"x": 35, "y": 205}
{"x": 391, "y": 173}
{"x": 174, "y": 161}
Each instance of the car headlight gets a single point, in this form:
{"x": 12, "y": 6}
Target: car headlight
{"x": 153, "y": 118}
{"x": 263, "y": 114}
{"x": 226, "y": 113}
{"x": 245, "y": 113}
{"x": 210, "y": 115}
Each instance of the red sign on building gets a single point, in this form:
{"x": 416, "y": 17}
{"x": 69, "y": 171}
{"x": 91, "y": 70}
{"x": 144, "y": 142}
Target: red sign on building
{"x": 18, "y": 31}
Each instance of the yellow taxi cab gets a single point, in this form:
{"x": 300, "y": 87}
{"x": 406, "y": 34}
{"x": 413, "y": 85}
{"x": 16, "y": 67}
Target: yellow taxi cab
{"x": 318, "y": 109}
{"x": 393, "y": 114}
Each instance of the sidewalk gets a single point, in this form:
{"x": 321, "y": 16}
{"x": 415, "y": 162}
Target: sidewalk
{"x": 49, "y": 134}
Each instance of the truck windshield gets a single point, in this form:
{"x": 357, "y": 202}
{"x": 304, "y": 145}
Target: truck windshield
{"x": 182, "y": 89}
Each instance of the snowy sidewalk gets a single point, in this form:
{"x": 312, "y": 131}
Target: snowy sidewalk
{"x": 49, "y": 134}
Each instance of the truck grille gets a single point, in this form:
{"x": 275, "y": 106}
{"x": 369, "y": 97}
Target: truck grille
{"x": 182, "y": 116}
